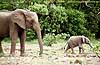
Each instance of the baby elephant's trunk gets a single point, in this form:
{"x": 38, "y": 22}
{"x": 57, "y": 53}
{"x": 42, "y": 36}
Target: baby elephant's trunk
{"x": 90, "y": 45}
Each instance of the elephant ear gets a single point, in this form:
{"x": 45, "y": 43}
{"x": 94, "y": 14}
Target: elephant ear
{"x": 18, "y": 17}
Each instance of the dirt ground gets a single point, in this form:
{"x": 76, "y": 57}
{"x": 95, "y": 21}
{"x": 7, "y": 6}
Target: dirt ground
{"x": 52, "y": 56}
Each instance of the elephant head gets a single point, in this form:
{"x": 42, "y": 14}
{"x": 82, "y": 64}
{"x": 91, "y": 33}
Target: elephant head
{"x": 27, "y": 19}
{"x": 86, "y": 40}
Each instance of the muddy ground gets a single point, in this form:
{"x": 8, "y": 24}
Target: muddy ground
{"x": 52, "y": 56}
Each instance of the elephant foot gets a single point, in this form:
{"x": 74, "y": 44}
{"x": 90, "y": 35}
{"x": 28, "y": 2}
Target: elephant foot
{"x": 81, "y": 52}
{"x": 72, "y": 53}
{"x": 23, "y": 54}
{"x": 40, "y": 53}
{"x": 12, "y": 54}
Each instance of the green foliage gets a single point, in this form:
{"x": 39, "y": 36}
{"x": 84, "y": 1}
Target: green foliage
{"x": 50, "y": 39}
{"x": 21, "y": 5}
{"x": 7, "y": 40}
{"x": 30, "y": 35}
{"x": 6, "y": 6}
{"x": 62, "y": 36}
{"x": 61, "y": 20}
{"x": 76, "y": 22}
{"x": 59, "y": 16}
{"x": 96, "y": 46}
{"x": 39, "y": 8}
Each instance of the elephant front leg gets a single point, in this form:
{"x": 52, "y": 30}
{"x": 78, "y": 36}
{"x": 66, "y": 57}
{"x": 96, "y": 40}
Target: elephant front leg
{"x": 22, "y": 37}
{"x": 81, "y": 50}
{"x": 13, "y": 43}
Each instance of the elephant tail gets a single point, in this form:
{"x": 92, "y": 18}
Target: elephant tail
{"x": 65, "y": 45}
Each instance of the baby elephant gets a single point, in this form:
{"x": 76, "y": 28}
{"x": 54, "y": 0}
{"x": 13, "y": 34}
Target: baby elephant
{"x": 74, "y": 41}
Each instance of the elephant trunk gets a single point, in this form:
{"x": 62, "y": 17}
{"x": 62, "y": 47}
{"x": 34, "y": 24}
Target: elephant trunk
{"x": 39, "y": 36}
{"x": 40, "y": 42}
{"x": 90, "y": 45}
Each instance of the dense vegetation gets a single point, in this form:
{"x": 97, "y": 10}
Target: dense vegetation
{"x": 60, "y": 16}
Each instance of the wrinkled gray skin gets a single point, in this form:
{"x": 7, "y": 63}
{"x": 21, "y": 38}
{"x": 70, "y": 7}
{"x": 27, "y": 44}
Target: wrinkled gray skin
{"x": 14, "y": 23}
{"x": 75, "y": 41}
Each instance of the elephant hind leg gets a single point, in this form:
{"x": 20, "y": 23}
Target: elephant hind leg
{"x": 1, "y": 49}
{"x": 81, "y": 50}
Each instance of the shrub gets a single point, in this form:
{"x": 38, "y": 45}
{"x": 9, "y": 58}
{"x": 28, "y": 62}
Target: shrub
{"x": 50, "y": 39}
{"x": 30, "y": 35}
{"x": 96, "y": 49}
{"x": 76, "y": 22}
{"x": 39, "y": 8}
{"x": 57, "y": 20}
{"x": 54, "y": 18}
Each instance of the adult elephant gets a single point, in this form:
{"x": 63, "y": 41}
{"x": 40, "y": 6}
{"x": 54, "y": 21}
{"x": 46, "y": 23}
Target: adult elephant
{"x": 14, "y": 24}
